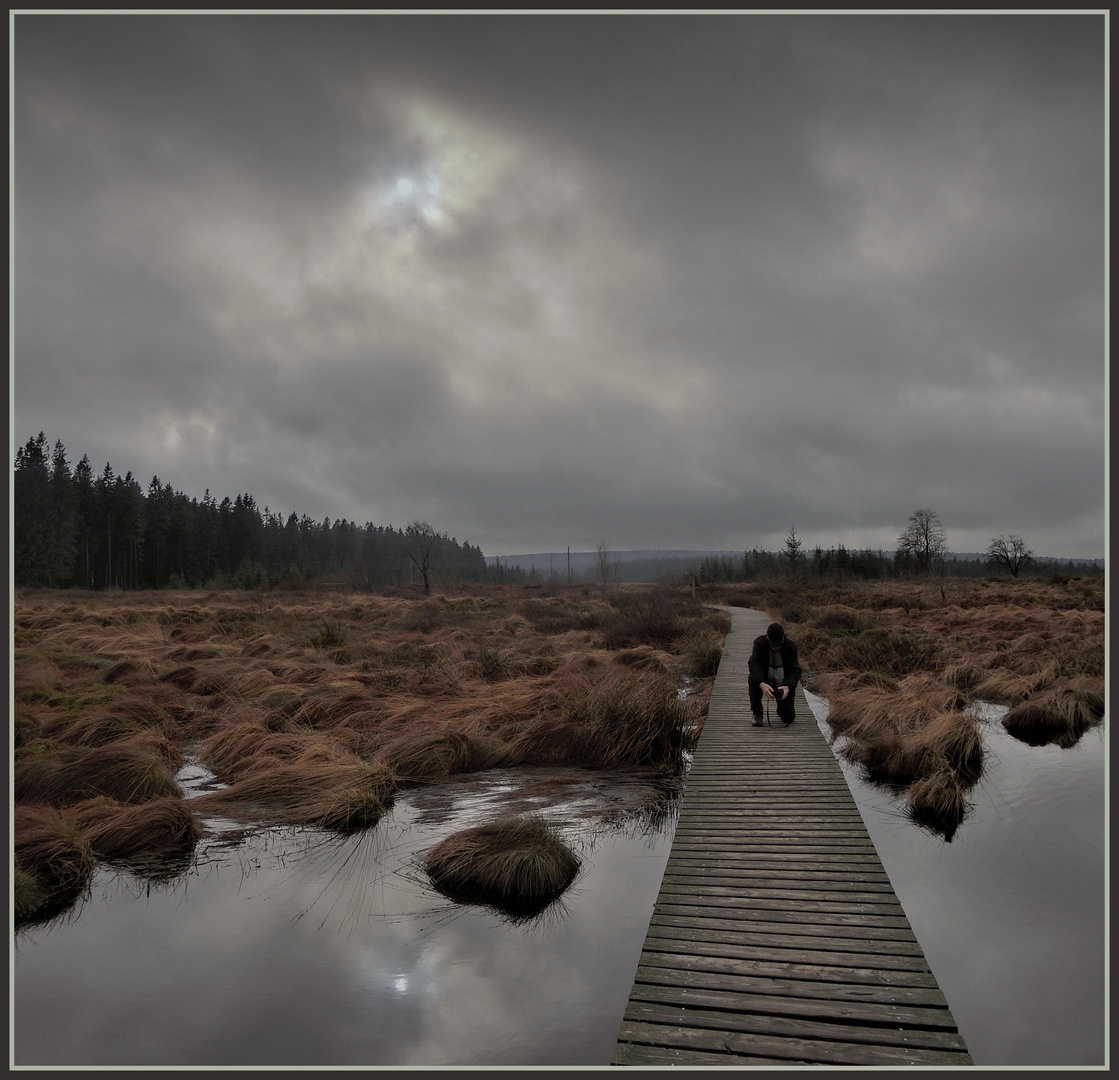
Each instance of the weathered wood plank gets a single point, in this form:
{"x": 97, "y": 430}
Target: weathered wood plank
{"x": 803, "y": 856}
{"x": 748, "y": 866}
{"x": 801, "y": 899}
{"x": 788, "y": 1048}
{"x": 770, "y": 936}
{"x": 720, "y": 963}
{"x": 795, "y": 884}
{"x": 798, "y": 1027}
{"x": 698, "y": 978}
{"x": 762, "y": 921}
{"x": 879, "y": 1014}
{"x": 760, "y": 911}
{"x": 637, "y": 1054}
{"x": 675, "y": 939}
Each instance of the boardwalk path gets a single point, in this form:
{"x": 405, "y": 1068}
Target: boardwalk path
{"x": 776, "y": 938}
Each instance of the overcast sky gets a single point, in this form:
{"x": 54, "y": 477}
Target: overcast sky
{"x": 665, "y": 281}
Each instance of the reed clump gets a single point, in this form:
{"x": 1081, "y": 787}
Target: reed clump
{"x": 130, "y": 771}
{"x": 1060, "y": 715}
{"x": 622, "y": 721}
{"x": 517, "y": 865}
{"x": 52, "y": 861}
{"x": 657, "y": 616}
{"x": 119, "y": 831}
{"x": 441, "y": 753}
{"x": 703, "y": 653}
{"x": 337, "y": 791}
{"x": 938, "y": 802}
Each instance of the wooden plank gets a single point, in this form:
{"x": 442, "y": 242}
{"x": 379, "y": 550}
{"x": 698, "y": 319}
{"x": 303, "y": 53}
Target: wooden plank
{"x": 698, "y": 978}
{"x": 669, "y": 926}
{"x": 879, "y": 1014}
{"x": 675, "y": 939}
{"x": 805, "y": 854}
{"x": 770, "y": 899}
{"x": 724, "y": 963}
{"x": 776, "y": 937}
{"x": 756, "y": 922}
{"x": 775, "y": 887}
{"x": 790, "y": 1049}
{"x": 760, "y": 912}
{"x": 749, "y": 866}
{"x": 795, "y": 883}
{"x": 799, "y": 1027}
{"x": 637, "y": 1054}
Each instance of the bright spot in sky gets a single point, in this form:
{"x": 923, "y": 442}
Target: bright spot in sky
{"x": 401, "y": 984}
{"x": 419, "y": 194}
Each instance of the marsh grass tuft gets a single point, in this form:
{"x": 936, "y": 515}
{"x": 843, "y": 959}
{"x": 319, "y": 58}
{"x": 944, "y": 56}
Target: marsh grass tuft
{"x": 330, "y": 634}
{"x": 643, "y": 658}
{"x": 53, "y": 861}
{"x": 339, "y": 793}
{"x": 491, "y": 663}
{"x": 1061, "y": 715}
{"x": 132, "y": 771}
{"x": 441, "y": 753}
{"x": 650, "y": 617}
{"x": 702, "y": 655}
{"x": 938, "y": 803}
{"x": 517, "y": 865}
{"x": 629, "y": 722}
{"x": 121, "y": 831}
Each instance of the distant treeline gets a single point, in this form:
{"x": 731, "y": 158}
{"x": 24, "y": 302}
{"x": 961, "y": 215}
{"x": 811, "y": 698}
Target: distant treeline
{"x": 840, "y": 564}
{"x": 819, "y": 566}
{"x": 72, "y": 529}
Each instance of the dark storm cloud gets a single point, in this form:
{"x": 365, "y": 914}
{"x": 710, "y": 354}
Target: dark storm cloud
{"x": 175, "y": 98}
{"x": 665, "y": 280}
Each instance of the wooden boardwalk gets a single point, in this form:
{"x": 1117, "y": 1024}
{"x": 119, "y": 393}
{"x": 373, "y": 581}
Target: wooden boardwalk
{"x": 777, "y": 938}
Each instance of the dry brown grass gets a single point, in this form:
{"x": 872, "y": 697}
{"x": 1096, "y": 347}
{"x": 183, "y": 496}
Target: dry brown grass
{"x": 1058, "y": 715}
{"x": 315, "y": 709}
{"x": 938, "y": 802}
{"x": 121, "y": 831}
{"x": 901, "y": 663}
{"x": 131, "y": 770}
{"x": 330, "y": 790}
{"x": 517, "y": 865}
{"x": 52, "y": 862}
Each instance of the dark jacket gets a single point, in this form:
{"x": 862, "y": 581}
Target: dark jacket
{"x": 759, "y": 662}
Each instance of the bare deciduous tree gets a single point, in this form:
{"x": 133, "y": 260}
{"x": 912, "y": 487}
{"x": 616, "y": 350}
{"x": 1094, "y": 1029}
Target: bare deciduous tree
{"x": 1009, "y": 553}
{"x": 605, "y": 569}
{"x": 924, "y": 540}
{"x": 421, "y": 542}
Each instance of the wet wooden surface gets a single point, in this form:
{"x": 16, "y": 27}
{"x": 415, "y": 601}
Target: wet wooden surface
{"x": 776, "y": 938}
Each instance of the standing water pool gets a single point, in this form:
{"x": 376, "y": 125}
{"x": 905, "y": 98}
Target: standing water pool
{"x": 1011, "y": 914}
{"x": 290, "y": 947}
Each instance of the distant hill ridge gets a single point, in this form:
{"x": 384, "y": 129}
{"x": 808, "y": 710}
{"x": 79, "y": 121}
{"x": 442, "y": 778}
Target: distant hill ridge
{"x": 557, "y": 560}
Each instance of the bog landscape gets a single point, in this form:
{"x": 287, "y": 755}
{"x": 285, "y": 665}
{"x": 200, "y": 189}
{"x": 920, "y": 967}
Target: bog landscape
{"x": 317, "y": 707}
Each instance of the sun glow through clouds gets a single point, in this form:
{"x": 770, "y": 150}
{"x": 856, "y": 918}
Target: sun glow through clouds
{"x": 419, "y": 194}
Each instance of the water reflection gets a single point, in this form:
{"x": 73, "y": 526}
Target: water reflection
{"x": 292, "y": 946}
{"x": 1011, "y": 914}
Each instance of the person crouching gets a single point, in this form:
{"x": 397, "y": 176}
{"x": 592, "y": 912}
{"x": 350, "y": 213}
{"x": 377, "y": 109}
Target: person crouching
{"x": 774, "y": 673}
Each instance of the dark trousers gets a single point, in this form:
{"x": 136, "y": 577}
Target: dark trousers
{"x": 786, "y": 708}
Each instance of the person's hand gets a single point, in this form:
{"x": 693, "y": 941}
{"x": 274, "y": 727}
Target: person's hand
{"x": 768, "y": 690}
{"x": 780, "y": 692}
